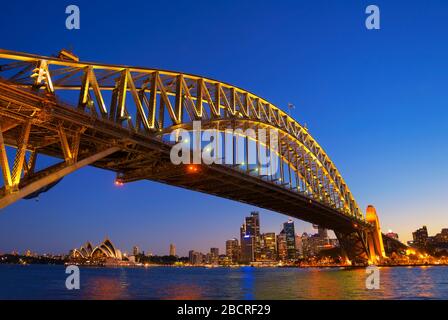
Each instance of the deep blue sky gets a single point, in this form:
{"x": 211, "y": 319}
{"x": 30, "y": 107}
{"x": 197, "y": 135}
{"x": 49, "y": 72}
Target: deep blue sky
{"x": 375, "y": 100}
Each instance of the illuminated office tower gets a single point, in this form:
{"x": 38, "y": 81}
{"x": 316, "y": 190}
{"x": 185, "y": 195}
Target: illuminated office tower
{"x": 247, "y": 245}
{"x": 253, "y": 228}
{"x": 233, "y": 250}
{"x": 250, "y": 238}
{"x": 282, "y": 251}
{"x": 420, "y": 237}
{"x": 172, "y": 250}
{"x": 268, "y": 246}
{"x": 290, "y": 234}
{"x": 299, "y": 246}
{"x": 214, "y": 255}
{"x": 195, "y": 257}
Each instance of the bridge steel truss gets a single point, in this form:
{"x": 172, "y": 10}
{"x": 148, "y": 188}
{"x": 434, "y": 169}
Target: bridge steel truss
{"x": 116, "y": 118}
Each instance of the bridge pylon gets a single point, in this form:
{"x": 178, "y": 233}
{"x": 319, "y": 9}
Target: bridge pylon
{"x": 374, "y": 237}
{"x": 362, "y": 245}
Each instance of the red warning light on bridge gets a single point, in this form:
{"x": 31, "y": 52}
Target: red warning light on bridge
{"x": 192, "y": 168}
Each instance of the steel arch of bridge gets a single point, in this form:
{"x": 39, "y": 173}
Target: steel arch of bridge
{"x": 152, "y": 102}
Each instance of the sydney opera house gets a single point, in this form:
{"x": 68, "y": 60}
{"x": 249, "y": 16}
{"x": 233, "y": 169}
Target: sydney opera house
{"x": 105, "y": 253}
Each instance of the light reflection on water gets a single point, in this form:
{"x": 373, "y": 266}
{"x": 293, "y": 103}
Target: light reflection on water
{"x": 48, "y": 282}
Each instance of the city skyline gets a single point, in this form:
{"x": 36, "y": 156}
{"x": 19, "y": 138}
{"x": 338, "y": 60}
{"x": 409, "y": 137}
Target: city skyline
{"x": 342, "y": 112}
{"x": 416, "y": 239}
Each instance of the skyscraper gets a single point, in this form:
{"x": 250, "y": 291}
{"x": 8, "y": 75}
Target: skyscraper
{"x": 247, "y": 245}
{"x": 268, "y": 246}
{"x": 172, "y": 250}
{"x": 299, "y": 246}
{"x": 214, "y": 255}
{"x": 135, "y": 250}
{"x": 420, "y": 237}
{"x": 253, "y": 228}
{"x": 250, "y": 238}
{"x": 290, "y": 234}
{"x": 195, "y": 257}
{"x": 306, "y": 248}
{"x": 233, "y": 250}
{"x": 282, "y": 251}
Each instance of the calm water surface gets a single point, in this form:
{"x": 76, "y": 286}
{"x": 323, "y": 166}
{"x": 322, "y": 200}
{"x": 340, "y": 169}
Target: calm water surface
{"x": 48, "y": 282}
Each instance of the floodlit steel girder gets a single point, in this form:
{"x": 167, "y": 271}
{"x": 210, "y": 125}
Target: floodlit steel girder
{"x": 163, "y": 99}
{"x": 355, "y": 246}
{"x": 51, "y": 175}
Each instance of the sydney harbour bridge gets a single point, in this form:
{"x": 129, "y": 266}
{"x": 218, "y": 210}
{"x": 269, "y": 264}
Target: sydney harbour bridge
{"x": 118, "y": 117}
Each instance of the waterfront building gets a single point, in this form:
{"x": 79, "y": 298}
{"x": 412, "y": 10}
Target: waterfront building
{"x": 253, "y": 229}
{"x": 136, "y": 250}
{"x": 441, "y": 237}
{"x": 420, "y": 237}
{"x": 299, "y": 246}
{"x": 250, "y": 238}
{"x": 195, "y": 257}
{"x": 214, "y": 255}
{"x": 172, "y": 250}
{"x": 268, "y": 247}
{"x": 28, "y": 253}
{"x": 282, "y": 248}
{"x": 247, "y": 245}
{"x": 314, "y": 243}
{"x": 104, "y": 252}
{"x": 306, "y": 246}
{"x": 290, "y": 234}
{"x": 438, "y": 244}
{"x": 214, "y": 252}
{"x": 224, "y": 260}
{"x": 233, "y": 250}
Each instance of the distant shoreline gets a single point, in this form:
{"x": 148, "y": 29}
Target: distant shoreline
{"x": 227, "y": 267}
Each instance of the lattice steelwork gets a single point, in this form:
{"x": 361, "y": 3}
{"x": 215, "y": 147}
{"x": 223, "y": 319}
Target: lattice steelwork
{"x": 154, "y": 102}
{"x": 118, "y": 118}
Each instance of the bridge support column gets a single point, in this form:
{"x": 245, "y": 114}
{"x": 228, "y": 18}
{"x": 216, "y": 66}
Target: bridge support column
{"x": 364, "y": 246}
{"x": 354, "y": 246}
{"x": 375, "y": 238}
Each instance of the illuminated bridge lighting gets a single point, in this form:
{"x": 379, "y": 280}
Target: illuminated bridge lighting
{"x": 192, "y": 168}
{"x": 133, "y": 108}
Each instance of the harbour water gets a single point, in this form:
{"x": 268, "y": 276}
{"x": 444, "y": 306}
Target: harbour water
{"x": 48, "y": 282}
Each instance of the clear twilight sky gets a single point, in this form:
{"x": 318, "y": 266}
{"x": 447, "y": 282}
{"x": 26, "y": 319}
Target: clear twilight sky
{"x": 375, "y": 100}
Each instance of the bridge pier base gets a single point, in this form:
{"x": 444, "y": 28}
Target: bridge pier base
{"x": 375, "y": 238}
{"x": 363, "y": 247}
{"x": 354, "y": 247}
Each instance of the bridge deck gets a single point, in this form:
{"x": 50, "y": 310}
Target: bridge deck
{"x": 144, "y": 157}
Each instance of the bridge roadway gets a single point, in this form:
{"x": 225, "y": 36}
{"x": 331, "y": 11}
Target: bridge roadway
{"x": 143, "y": 157}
